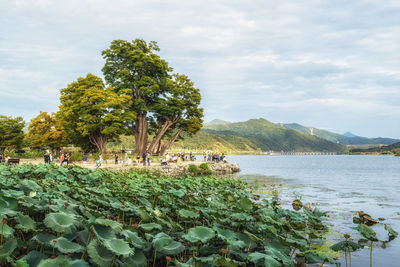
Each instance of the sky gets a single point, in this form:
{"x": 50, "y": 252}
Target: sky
{"x": 331, "y": 64}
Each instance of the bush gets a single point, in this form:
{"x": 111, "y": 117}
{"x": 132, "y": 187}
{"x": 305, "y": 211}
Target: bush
{"x": 193, "y": 169}
{"x": 204, "y": 166}
{"x": 76, "y": 156}
{"x": 27, "y": 154}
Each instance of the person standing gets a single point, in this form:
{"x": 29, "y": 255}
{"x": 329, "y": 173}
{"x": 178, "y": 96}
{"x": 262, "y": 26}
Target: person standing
{"x": 116, "y": 158}
{"x": 144, "y": 159}
{"x": 148, "y": 159}
{"x": 84, "y": 159}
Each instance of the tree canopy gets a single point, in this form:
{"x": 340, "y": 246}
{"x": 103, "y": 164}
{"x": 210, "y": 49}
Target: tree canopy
{"x": 161, "y": 100}
{"x": 45, "y": 131}
{"x": 11, "y": 134}
{"x": 91, "y": 112}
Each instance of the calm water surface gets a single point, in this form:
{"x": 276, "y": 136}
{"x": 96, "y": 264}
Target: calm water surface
{"x": 340, "y": 184}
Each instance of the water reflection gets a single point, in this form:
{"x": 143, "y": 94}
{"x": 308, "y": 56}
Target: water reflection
{"x": 341, "y": 185}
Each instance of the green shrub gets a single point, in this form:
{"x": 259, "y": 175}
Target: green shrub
{"x": 76, "y": 156}
{"x": 204, "y": 166}
{"x": 27, "y": 154}
{"x": 96, "y": 155}
{"x": 193, "y": 169}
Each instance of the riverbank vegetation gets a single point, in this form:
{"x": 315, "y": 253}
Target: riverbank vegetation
{"x": 70, "y": 216}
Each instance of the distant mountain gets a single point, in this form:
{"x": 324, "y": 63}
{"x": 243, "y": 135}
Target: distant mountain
{"x": 349, "y": 134}
{"x": 389, "y": 149}
{"x": 215, "y": 122}
{"x": 346, "y": 139}
{"x": 270, "y": 136}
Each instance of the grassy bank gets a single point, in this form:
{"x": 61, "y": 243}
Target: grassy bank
{"x": 70, "y": 216}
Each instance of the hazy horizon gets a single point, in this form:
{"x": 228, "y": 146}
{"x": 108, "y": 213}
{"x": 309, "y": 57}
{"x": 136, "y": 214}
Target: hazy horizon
{"x": 332, "y": 65}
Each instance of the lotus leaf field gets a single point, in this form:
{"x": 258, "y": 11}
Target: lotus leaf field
{"x": 70, "y": 216}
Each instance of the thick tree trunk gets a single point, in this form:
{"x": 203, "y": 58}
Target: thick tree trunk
{"x": 170, "y": 142}
{"x": 100, "y": 142}
{"x": 141, "y": 134}
{"x": 160, "y": 134}
{"x": 158, "y": 148}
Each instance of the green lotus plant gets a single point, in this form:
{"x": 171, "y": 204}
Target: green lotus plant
{"x": 70, "y": 216}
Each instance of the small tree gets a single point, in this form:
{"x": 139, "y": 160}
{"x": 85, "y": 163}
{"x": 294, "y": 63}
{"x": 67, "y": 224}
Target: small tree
{"x": 93, "y": 113}
{"x": 45, "y": 131}
{"x": 11, "y": 134}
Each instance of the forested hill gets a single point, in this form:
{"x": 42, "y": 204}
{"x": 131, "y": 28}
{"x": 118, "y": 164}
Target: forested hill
{"x": 346, "y": 139}
{"x": 257, "y": 134}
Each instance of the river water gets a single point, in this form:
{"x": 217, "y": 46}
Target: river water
{"x": 341, "y": 185}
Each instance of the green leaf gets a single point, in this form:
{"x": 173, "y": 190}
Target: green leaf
{"x": 178, "y": 193}
{"x": 7, "y": 248}
{"x": 199, "y": 233}
{"x": 148, "y": 227}
{"x": 137, "y": 260}
{"x": 61, "y": 222}
{"x": 225, "y": 234}
{"x": 119, "y": 247}
{"x": 43, "y": 238}
{"x": 6, "y": 230}
{"x": 116, "y": 226}
{"x": 60, "y": 261}
{"x": 25, "y": 223}
{"x": 78, "y": 263}
{"x": 103, "y": 232}
{"x": 188, "y": 214}
{"x": 367, "y": 232}
{"x": 34, "y": 257}
{"x": 315, "y": 257}
{"x": 390, "y": 230}
{"x": 99, "y": 254}
{"x": 133, "y": 238}
{"x": 66, "y": 246}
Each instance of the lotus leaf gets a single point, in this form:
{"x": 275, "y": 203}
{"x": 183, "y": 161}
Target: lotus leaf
{"x": 43, "y": 238}
{"x": 165, "y": 244}
{"x": 199, "y": 233}
{"x": 346, "y": 245}
{"x": 78, "y": 263}
{"x": 116, "y": 226}
{"x": 241, "y": 217}
{"x": 119, "y": 247}
{"x": 29, "y": 185}
{"x": 188, "y": 214}
{"x": 137, "y": 260}
{"x": 99, "y": 254}
{"x": 390, "y": 230}
{"x": 133, "y": 238}
{"x": 7, "y": 248}
{"x": 66, "y": 246}
{"x": 6, "y": 230}
{"x": 34, "y": 257}
{"x": 367, "y": 232}
{"x": 144, "y": 216}
{"x": 25, "y": 223}
{"x": 227, "y": 262}
{"x": 61, "y": 222}
{"x": 315, "y": 257}
{"x": 60, "y": 261}
{"x": 103, "y": 232}
{"x": 178, "y": 193}
{"x": 148, "y": 227}
{"x": 225, "y": 234}
{"x": 278, "y": 255}
{"x": 245, "y": 204}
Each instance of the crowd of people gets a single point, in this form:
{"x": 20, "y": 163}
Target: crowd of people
{"x": 145, "y": 158}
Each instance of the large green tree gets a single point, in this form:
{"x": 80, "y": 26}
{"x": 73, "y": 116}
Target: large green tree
{"x": 134, "y": 67}
{"x": 178, "y": 109}
{"x": 91, "y": 112}
{"x": 45, "y": 131}
{"x": 11, "y": 132}
{"x": 159, "y": 99}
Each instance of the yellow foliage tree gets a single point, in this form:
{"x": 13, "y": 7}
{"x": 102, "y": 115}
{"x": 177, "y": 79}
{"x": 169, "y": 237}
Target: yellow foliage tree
{"x": 44, "y": 131}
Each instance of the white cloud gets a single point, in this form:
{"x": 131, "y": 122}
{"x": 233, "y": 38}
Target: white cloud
{"x": 317, "y": 62}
